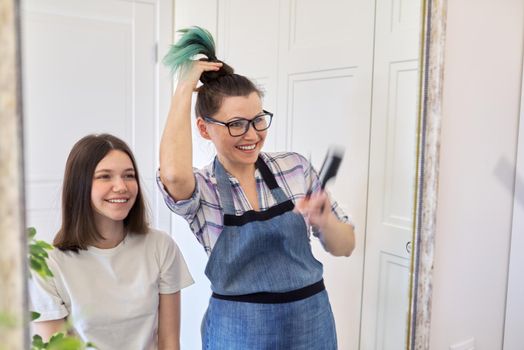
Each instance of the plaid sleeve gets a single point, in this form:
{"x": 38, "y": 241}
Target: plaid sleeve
{"x": 187, "y": 208}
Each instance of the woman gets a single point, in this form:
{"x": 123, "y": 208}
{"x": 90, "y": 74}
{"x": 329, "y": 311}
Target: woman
{"x": 115, "y": 279}
{"x": 245, "y": 208}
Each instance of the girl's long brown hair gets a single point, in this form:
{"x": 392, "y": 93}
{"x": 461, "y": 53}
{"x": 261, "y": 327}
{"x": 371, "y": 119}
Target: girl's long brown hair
{"x": 78, "y": 229}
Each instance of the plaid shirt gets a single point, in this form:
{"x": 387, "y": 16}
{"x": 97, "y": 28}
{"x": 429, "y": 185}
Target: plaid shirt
{"x": 203, "y": 211}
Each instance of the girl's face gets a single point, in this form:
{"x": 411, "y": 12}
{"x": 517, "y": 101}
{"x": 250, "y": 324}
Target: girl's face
{"x": 241, "y": 151}
{"x": 114, "y": 188}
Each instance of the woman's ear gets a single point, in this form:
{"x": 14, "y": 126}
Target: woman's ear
{"x": 202, "y": 128}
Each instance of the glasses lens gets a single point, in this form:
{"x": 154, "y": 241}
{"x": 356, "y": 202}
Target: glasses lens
{"x": 262, "y": 122}
{"x": 238, "y": 127}
{"x": 241, "y": 126}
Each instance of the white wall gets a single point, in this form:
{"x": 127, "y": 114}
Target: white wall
{"x": 484, "y": 50}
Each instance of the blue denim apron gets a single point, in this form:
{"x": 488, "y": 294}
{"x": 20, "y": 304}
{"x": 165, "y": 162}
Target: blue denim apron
{"x": 268, "y": 291}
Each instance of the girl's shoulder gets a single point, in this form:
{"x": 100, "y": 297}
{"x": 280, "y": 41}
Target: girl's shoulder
{"x": 59, "y": 256}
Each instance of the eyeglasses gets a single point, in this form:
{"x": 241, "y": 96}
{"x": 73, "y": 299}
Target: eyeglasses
{"x": 240, "y": 126}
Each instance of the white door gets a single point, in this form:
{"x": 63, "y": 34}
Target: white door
{"x": 324, "y": 98}
{"x": 90, "y": 67}
{"x": 314, "y": 61}
{"x": 391, "y": 176}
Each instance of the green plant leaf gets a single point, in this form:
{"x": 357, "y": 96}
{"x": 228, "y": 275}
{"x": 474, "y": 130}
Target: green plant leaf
{"x": 36, "y": 266}
{"x": 38, "y": 342}
{"x": 37, "y": 254}
{"x": 47, "y": 271}
{"x": 36, "y": 250}
{"x": 39, "y": 265}
{"x": 31, "y": 232}
{"x": 44, "y": 245}
{"x": 34, "y": 315}
{"x": 56, "y": 337}
{"x": 66, "y": 343}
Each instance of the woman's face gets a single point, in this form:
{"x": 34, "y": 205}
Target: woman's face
{"x": 114, "y": 188}
{"x": 235, "y": 152}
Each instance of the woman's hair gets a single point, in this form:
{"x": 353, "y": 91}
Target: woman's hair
{"x": 216, "y": 85}
{"x": 78, "y": 228}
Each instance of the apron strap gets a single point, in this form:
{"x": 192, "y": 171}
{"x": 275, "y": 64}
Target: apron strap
{"x": 267, "y": 175}
{"x": 224, "y": 188}
{"x": 271, "y": 182}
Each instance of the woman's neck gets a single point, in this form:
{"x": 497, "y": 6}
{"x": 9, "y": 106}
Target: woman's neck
{"x": 245, "y": 174}
{"x": 239, "y": 171}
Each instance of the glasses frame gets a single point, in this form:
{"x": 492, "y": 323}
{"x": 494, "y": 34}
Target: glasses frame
{"x": 251, "y": 122}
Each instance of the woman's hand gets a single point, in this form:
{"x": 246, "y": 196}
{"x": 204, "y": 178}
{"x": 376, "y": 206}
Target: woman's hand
{"x": 337, "y": 237}
{"x": 315, "y": 208}
{"x": 190, "y": 74}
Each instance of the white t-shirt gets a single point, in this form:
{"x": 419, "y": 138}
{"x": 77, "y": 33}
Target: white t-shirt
{"x": 111, "y": 296}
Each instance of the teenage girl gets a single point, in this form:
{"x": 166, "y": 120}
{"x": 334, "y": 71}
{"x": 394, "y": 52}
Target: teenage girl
{"x": 116, "y": 280}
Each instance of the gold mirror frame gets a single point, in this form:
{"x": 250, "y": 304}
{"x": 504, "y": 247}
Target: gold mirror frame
{"x": 430, "y": 112}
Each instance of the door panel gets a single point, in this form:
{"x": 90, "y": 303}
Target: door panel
{"x": 325, "y": 94}
{"x": 248, "y": 39}
{"x": 89, "y": 67}
{"x": 385, "y": 303}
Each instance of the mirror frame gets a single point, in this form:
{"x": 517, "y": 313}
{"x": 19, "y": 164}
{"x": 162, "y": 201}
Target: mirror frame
{"x": 430, "y": 116}
{"x": 13, "y": 266}
{"x": 430, "y": 112}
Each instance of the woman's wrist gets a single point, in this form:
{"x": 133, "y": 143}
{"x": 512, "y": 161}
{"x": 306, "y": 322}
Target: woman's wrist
{"x": 185, "y": 87}
{"x": 327, "y": 223}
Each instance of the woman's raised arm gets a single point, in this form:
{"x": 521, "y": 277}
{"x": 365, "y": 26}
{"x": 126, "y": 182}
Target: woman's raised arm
{"x": 176, "y": 150}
